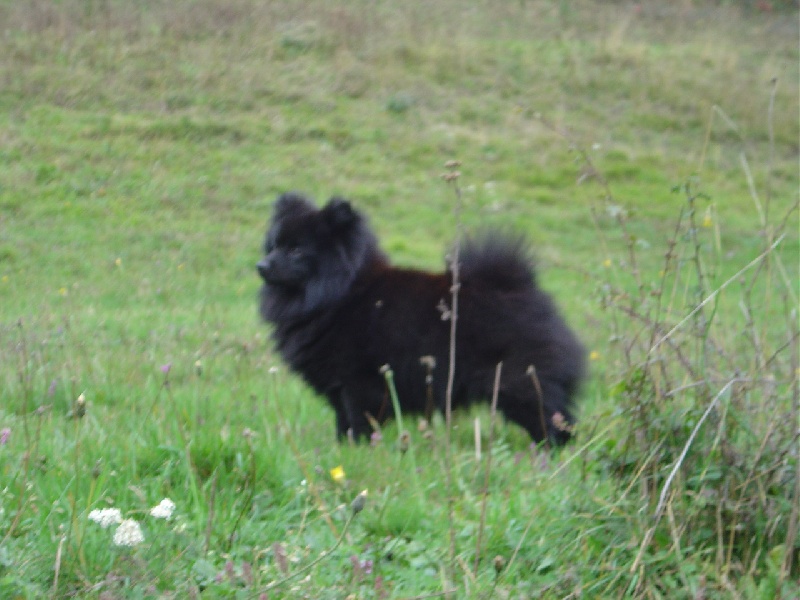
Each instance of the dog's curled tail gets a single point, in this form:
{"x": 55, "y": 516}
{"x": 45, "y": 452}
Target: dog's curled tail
{"x": 498, "y": 260}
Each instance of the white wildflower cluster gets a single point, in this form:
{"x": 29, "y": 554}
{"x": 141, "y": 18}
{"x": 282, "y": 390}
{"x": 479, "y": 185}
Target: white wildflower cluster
{"x": 106, "y": 517}
{"x": 164, "y": 509}
{"x": 129, "y": 532}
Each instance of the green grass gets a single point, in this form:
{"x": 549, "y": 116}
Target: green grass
{"x": 141, "y": 146}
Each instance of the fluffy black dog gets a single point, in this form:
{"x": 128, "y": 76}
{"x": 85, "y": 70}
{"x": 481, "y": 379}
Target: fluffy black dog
{"x": 340, "y": 312}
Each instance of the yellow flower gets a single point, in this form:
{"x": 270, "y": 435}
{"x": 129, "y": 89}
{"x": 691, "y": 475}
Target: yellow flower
{"x": 62, "y": 291}
{"x": 5, "y": 278}
{"x": 707, "y": 221}
{"x": 337, "y": 474}
{"x": 607, "y": 263}
{"x": 594, "y": 355}
{"x": 118, "y": 262}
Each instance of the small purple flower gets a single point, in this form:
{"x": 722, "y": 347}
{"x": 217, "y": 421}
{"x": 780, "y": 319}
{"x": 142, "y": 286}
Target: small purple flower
{"x": 166, "y": 368}
{"x": 375, "y": 438}
{"x": 247, "y": 573}
{"x": 5, "y": 433}
{"x": 361, "y": 567}
{"x": 230, "y": 571}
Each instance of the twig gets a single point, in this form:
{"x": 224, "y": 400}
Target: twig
{"x": 771, "y": 133}
{"x": 679, "y": 462}
{"x": 716, "y": 292}
{"x": 24, "y": 378}
{"x": 538, "y": 387}
{"x": 403, "y": 436}
{"x": 668, "y": 483}
{"x": 792, "y": 530}
{"x": 590, "y": 171}
{"x": 312, "y": 488}
{"x": 495, "y": 394}
{"x": 323, "y": 555}
{"x": 210, "y": 519}
{"x": 388, "y": 375}
{"x": 247, "y": 504}
{"x": 57, "y": 566}
{"x": 452, "y": 178}
{"x": 433, "y": 595}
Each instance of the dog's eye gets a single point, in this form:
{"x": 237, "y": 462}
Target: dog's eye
{"x": 295, "y": 252}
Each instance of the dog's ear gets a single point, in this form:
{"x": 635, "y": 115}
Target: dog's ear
{"x": 338, "y": 213}
{"x": 291, "y": 202}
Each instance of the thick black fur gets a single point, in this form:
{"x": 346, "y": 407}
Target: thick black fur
{"x": 340, "y": 312}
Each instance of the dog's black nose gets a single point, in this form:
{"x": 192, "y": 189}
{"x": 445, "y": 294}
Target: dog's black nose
{"x": 263, "y": 268}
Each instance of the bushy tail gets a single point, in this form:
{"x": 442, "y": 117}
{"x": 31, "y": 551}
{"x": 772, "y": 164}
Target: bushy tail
{"x": 497, "y": 260}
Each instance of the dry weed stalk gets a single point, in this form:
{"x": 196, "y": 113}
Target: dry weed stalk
{"x": 707, "y": 403}
{"x": 488, "y": 469}
{"x": 451, "y": 177}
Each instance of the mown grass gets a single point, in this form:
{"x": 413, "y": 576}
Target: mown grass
{"x": 141, "y": 149}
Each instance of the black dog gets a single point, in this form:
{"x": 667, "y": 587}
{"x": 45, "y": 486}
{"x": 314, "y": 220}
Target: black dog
{"x": 340, "y": 312}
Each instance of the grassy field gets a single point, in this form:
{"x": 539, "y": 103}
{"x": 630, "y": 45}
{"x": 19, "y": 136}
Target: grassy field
{"x": 650, "y": 152}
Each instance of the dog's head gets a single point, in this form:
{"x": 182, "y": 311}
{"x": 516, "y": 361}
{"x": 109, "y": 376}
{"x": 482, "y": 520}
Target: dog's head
{"x": 312, "y": 255}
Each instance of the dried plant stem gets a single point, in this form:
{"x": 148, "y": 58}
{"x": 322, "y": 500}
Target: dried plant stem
{"x": 74, "y": 525}
{"x": 771, "y": 134}
{"x": 312, "y": 489}
{"x": 191, "y": 471}
{"x": 792, "y": 530}
{"x": 488, "y": 471}
{"x": 589, "y": 171}
{"x": 668, "y": 483}
{"x": 716, "y": 292}
{"x": 752, "y": 476}
{"x": 27, "y": 392}
{"x": 57, "y": 566}
{"x": 452, "y": 178}
{"x": 388, "y": 374}
{"x": 247, "y": 504}
{"x": 691, "y": 198}
{"x": 322, "y": 556}
{"x": 433, "y": 595}
{"x": 453, "y": 325}
{"x": 211, "y": 508}
{"x": 403, "y": 438}
{"x": 540, "y": 396}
